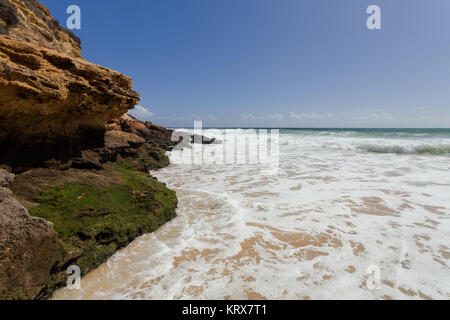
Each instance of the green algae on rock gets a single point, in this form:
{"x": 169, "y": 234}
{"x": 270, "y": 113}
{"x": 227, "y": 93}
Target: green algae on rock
{"x": 93, "y": 222}
{"x": 100, "y": 201}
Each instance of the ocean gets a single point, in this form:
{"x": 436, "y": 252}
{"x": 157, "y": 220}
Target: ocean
{"x": 348, "y": 214}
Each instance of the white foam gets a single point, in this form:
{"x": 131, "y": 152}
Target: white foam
{"x": 232, "y": 237}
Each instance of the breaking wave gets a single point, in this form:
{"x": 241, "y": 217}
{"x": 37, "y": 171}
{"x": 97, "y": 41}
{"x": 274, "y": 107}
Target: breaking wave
{"x": 422, "y": 149}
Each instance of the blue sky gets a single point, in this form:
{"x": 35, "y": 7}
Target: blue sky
{"x": 275, "y": 63}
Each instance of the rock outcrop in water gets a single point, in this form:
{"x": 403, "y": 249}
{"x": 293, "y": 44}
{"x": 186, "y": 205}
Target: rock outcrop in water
{"x": 81, "y": 188}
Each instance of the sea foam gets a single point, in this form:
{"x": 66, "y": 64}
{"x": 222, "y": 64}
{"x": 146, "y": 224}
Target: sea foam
{"x": 342, "y": 203}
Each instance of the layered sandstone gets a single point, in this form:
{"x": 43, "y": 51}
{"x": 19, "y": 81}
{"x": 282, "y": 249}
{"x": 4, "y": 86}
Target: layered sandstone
{"x": 52, "y": 102}
{"x": 30, "y": 22}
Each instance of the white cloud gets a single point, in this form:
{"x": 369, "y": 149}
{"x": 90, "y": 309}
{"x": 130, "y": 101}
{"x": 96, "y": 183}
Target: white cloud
{"x": 192, "y": 117}
{"x": 209, "y": 117}
{"x": 387, "y": 115}
{"x": 248, "y": 116}
{"x": 251, "y": 116}
{"x": 276, "y": 116}
{"x": 312, "y": 116}
{"x": 374, "y": 116}
{"x": 141, "y": 113}
{"x": 425, "y": 118}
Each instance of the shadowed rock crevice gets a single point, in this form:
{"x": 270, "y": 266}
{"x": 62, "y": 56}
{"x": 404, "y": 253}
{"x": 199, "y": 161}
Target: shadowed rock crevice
{"x": 8, "y": 15}
{"x": 43, "y": 151}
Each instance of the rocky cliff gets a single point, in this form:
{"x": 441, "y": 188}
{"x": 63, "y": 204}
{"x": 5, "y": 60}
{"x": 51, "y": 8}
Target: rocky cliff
{"x": 81, "y": 188}
{"x": 30, "y": 22}
{"x": 51, "y": 100}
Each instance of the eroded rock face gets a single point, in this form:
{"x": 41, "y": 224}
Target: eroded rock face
{"x": 30, "y": 22}
{"x": 5, "y": 178}
{"x": 147, "y": 130}
{"x": 29, "y": 248}
{"x": 52, "y": 102}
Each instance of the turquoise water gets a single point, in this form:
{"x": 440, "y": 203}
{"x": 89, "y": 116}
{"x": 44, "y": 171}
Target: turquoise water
{"x": 395, "y": 141}
{"x": 392, "y": 141}
{"x": 386, "y": 133}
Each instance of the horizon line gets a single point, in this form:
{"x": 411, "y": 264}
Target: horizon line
{"x": 321, "y": 128}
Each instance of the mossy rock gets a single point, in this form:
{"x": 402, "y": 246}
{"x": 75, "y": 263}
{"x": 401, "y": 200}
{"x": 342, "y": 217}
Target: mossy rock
{"x": 93, "y": 222}
{"x": 17, "y": 294}
{"x": 148, "y": 157}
